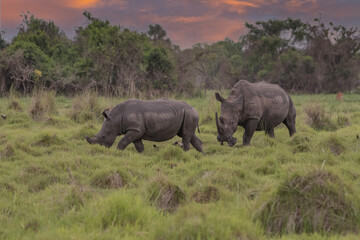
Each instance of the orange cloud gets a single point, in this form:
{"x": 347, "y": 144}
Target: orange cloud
{"x": 234, "y": 5}
{"x": 82, "y": 3}
{"x": 296, "y": 5}
{"x": 189, "y": 19}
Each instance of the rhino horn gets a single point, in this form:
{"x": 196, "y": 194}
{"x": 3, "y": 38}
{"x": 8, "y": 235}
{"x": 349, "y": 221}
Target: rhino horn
{"x": 89, "y": 140}
{"x": 217, "y": 121}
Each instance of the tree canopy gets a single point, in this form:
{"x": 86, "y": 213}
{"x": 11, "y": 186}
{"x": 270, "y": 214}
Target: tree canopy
{"x": 114, "y": 60}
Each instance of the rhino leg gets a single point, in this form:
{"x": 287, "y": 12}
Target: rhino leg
{"x": 290, "y": 124}
{"x": 191, "y": 120}
{"x": 250, "y": 127}
{"x": 139, "y": 145}
{"x": 186, "y": 143}
{"x": 130, "y": 136}
{"x": 197, "y": 144}
{"x": 290, "y": 118}
{"x": 270, "y": 132}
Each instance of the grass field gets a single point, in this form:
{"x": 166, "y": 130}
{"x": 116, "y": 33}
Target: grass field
{"x": 54, "y": 185}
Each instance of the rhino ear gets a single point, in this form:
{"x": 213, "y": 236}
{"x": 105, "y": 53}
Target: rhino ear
{"x": 105, "y": 113}
{"x": 219, "y": 97}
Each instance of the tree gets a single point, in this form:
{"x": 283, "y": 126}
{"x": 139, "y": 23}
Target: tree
{"x": 3, "y": 43}
{"x": 160, "y": 69}
{"x": 156, "y": 32}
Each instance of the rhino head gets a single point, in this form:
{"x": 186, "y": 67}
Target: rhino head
{"x": 107, "y": 134}
{"x": 227, "y": 123}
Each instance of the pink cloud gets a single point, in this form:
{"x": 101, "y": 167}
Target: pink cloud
{"x": 186, "y": 22}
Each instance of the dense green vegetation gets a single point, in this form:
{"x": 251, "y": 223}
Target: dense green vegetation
{"x": 116, "y": 61}
{"x": 54, "y": 185}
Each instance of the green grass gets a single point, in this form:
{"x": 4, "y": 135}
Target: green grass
{"x": 54, "y": 185}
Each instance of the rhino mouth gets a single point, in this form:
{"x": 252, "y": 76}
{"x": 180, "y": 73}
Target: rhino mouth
{"x": 221, "y": 138}
{"x": 95, "y": 140}
{"x": 230, "y": 140}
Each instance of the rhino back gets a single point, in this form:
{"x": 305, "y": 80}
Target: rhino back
{"x": 265, "y": 101}
{"x": 157, "y": 120}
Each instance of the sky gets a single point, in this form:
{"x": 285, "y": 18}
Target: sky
{"x": 186, "y": 21}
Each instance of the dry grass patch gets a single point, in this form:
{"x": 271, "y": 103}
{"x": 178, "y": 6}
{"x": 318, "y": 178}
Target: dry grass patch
{"x": 318, "y": 118}
{"x": 42, "y": 104}
{"x": 334, "y": 144}
{"x": 85, "y": 107}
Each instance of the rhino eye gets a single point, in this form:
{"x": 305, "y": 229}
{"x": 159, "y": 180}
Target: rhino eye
{"x": 103, "y": 136}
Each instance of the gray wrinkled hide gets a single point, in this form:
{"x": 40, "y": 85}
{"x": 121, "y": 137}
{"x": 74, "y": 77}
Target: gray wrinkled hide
{"x": 154, "y": 120}
{"x": 254, "y": 106}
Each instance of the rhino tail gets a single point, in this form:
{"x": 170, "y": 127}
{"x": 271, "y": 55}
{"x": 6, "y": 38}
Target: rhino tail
{"x": 290, "y": 119}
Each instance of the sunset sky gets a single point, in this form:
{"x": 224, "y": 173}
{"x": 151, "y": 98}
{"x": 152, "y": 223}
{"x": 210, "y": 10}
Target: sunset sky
{"x": 186, "y": 22}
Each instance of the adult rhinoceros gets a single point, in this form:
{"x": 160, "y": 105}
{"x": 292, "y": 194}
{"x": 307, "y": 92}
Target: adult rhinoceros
{"x": 254, "y": 106}
{"x": 154, "y": 120}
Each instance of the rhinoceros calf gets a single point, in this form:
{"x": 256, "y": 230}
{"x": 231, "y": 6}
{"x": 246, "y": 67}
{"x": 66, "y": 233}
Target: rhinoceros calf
{"x": 254, "y": 106}
{"x": 154, "y": 120}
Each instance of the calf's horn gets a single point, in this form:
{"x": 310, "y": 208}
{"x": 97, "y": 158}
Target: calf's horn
{"x": 217, "y": 121}
{"x": 89, "y": 140}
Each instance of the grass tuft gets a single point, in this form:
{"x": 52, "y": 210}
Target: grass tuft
{"x": 13, "y": 101}
{"x": 165, "y": 195}
{"x": 318, "y": 118}
{"x": 335, "y": 144}
{"x": 173, "y": 153}
{"x": 109, "y": 180}
{"x": 315, "y": 202}
{"x": 301, "y": 142}
{"x": 206, "y": 222}
{"x": 32, "y": 225}
{"x": 8, "y": 187}
{"x": 42, "y": 104}
{"x": 206, "y": 194}
{"x": 7, "y": 152}
{"x": 47, "y": 139}
{"x": 85, "y": 107}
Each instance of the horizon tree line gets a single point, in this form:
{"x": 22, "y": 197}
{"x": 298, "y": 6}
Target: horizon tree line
{"x": 114, "y": 60}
